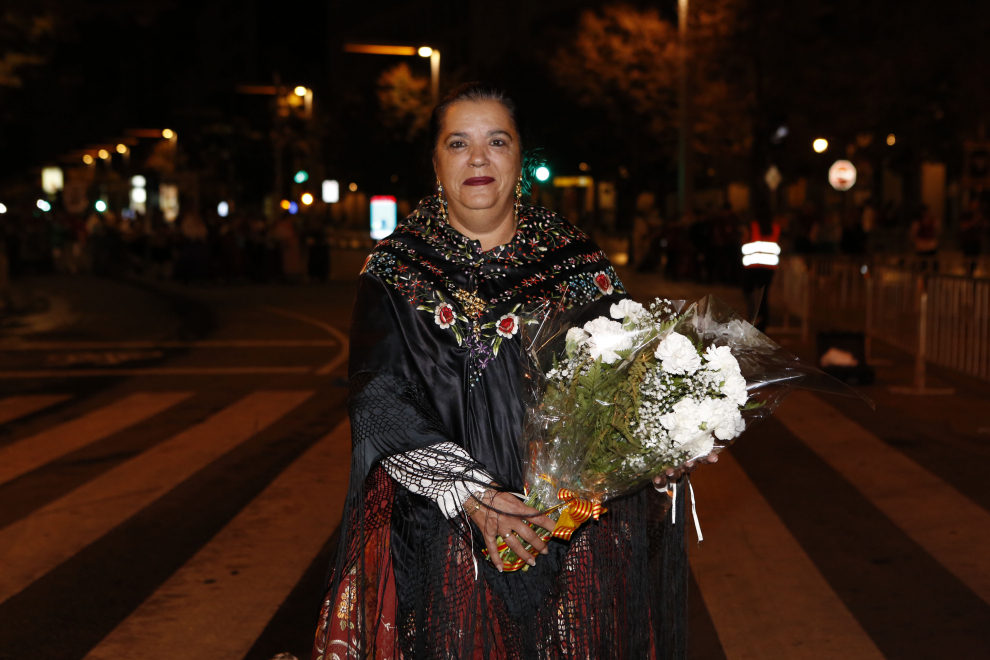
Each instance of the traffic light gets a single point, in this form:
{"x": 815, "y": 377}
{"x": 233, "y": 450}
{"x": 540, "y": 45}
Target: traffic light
{"x": 302, "y": 176}
{"x": 542, "y": 173}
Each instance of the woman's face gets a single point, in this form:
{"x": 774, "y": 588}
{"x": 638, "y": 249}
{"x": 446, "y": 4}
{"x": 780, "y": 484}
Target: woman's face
{"x": 478, "y": 157}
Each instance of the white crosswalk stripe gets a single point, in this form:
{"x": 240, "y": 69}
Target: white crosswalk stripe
{"x": 34, "y": 545}
{"x": 29, "y": 453}
{"x": 946, "y": 523}
{"x": 755, "y": 578}
{"x": 271, "y": 541}
{"x": 14, "y": 407}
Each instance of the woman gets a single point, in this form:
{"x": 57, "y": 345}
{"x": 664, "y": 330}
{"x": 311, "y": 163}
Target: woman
{"x": 435, "y": 419}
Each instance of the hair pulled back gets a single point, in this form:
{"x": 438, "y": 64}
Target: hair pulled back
{"x": 475, "y": 92}
{"x": 479, "y": 92}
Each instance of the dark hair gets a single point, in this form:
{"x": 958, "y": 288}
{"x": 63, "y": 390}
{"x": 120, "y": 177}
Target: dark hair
{"x": 476, "y": 92}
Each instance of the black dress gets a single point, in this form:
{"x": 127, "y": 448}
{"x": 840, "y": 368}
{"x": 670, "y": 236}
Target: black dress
{"x": 435, "y": 359}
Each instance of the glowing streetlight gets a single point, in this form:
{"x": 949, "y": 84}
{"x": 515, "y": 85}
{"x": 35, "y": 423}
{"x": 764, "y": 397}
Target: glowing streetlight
{"x": 302, "y": 176}
{"x": 542, "y": 173}
{"x": 331, "y": 191}
{"x": 422, "y": 51}
{"x": 52, "y": 180}
{"x": 103, "y": 154}
{"x": 819, "y": 145}
{"x": 168, "y": 133}
{"x": 44, "y": 206}
{"x": 121, "y": 148}
{"x": 223, "y": 208}
{"x": 88, "y": 159}
{"x": 352, "y": 187}
{"x": 100, "y": 205}
{"x": 293, "y": 208}
{"x": 307, "y": 199}
{"x": 3, "y": 209}
{"x": 285, "y": 204}
{"x": 891, "y": 139}
{"x": 138, "y": 181}
{"x": 300, "y": 91}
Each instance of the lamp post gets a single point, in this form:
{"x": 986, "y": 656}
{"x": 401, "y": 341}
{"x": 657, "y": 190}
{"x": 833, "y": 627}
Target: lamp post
{"x": 683, "y": 185}
{"x": 422, "y": 51}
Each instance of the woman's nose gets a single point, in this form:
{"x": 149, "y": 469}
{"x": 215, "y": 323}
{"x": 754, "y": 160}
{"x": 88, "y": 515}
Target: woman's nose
{"x": 479, "y": 156}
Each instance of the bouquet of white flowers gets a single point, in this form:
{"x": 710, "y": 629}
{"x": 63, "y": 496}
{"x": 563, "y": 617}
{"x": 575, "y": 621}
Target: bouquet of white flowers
{"x": 617, "y": 401}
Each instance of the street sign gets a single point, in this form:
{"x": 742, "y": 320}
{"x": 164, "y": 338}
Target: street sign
{"x": 168, "y": 201}
{"x": 383, "y": 216}
{"x": 51, "y": 180}
{"x": 842, "y": 175}
{"x": 773, "y": 177}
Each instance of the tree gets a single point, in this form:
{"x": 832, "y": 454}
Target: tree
{"x": 627, "y": 61}
{"x": 405, "y": 102}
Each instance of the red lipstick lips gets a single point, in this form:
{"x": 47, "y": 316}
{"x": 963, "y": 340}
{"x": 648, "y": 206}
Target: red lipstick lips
{"x": 479, "y": 181}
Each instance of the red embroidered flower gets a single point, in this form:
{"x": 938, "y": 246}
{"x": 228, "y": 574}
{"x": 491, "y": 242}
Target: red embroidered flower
{"x": 508, "y": 325}
{"x": 444, "y": 315}
{"x": 604, "y": 283}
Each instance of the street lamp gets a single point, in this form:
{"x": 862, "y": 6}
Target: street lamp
{"x": 682, "y": 111}
{"x": 820, "y": 145}
{"x": 407, "y": 51}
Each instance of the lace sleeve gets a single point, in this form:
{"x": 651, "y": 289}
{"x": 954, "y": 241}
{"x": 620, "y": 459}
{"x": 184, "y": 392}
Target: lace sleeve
{"x": 444, "y": 472}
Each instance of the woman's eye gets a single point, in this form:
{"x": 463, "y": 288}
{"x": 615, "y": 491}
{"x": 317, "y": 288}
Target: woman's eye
{"x": 456, "y": 145}
{"x": 498, "y": 143}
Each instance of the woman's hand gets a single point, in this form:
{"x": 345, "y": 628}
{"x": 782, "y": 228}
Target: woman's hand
{"x": 503, "y": 516}
{"x": 673, "y": 475}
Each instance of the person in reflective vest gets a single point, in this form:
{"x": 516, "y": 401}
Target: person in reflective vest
{"x": 760, "y": 256}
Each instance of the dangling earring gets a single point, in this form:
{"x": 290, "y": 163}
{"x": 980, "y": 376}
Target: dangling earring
{"x": 442, "y": 200}
{"x": 518, "y": 198}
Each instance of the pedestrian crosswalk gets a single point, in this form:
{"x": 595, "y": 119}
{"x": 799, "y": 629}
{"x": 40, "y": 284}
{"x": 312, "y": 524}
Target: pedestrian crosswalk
{"x": 287, "y": 521}
{"x": 765, "y": 596}
{"x": 768, "y": 590}
{"x": 950, "y": 526}
{"x": 19, "y": 406}
{"x": 30, "y": 453}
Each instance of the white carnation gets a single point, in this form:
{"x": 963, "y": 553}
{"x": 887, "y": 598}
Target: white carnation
{"x": 726, "y": 421}
{"x": 576, "y": 335}
{"x": 721, "y": 359}
{"x": 734, "y": 389}
{"x": 700, "y": 446}
{"x": 627, "y": 309}
{"x": 607, "y": 337}
{"x": 678, "y": 355}
{"x": 685, "y": 422}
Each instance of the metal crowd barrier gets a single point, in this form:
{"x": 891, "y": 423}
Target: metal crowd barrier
{"x": 938, "y": 318}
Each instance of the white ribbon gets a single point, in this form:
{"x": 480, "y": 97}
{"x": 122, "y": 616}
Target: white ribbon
{"x": 694, "y": 511}
{"x": 672, "y": 490}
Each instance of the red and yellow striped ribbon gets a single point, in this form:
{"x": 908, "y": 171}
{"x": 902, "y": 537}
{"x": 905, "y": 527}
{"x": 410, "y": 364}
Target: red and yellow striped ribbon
{"x": 575, "y": 513}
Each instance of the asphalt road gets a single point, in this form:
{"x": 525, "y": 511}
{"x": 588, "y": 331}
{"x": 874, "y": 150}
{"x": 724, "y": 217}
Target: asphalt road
{"x": 173, "y": 463}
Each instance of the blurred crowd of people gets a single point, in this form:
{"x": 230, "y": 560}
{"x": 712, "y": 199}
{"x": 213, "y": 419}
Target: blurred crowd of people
{"x": 238, "y": 248}
{"x": 705, "y": 247}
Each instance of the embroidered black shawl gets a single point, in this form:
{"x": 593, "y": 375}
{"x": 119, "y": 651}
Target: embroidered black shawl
{"x": 435, "y": 357}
